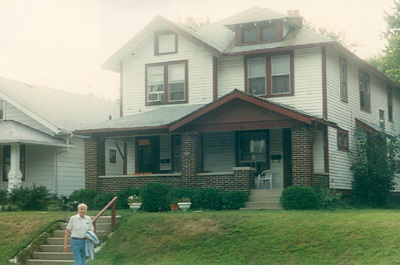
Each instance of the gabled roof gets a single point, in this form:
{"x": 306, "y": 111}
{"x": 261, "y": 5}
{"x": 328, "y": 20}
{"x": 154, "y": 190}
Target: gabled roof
{"x": 14, "y": 132}
{"x": 171, "y": 118}
{"x": 57, "y": 110}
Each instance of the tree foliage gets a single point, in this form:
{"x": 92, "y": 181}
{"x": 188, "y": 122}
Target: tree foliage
{"x": 194, "y": 23}
{"x": 389, "y": 61}
{"x": 338, "y": 36}
{"x": 374, "y": 167}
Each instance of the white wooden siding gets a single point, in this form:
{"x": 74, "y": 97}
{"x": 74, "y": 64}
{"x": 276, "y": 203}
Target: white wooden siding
{"x": 319, "y": 159}
{"x": 219, "y": 151}
{"x": 230, "y": 74}
{"x": 12, "y": 113}
{"x": 200, "y": 75}
{"x": 344, "y": 114}
{"x": 118, "y": 167}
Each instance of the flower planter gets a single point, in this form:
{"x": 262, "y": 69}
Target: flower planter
{"x": 174, "y": 207}
{"x": 184, "y": 205}
{"x": 135, "y": 206}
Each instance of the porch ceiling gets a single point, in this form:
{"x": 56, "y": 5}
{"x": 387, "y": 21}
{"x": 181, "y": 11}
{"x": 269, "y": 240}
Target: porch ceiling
{"x": 14, "y": 132}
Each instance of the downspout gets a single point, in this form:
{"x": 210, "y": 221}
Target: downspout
{"x": 312, "y": 153}
{"x": 56, "y": 154}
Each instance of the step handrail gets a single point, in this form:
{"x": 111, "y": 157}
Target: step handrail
{"x": 112, "y": 203}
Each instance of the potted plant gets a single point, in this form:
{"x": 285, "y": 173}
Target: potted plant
{"x": 135, "y": 202}
{"x": 184, "y": 203}
{"x": 174, "y": 204}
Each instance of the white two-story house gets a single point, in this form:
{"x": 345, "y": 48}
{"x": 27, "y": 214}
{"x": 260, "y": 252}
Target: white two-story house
{"x": 215, "y": 107}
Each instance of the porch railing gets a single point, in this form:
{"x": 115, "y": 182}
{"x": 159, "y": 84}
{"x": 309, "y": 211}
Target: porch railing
{"x": 112, "y": 203}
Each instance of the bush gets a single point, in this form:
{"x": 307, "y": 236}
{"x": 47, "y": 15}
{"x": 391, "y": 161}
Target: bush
{"x": 3, "y": 197}
{"x": 30, "y": 198}
{"x": 55, "y": 204}
{"x": 122, "y": 201}
{"x": 154, "y": 197}
{"x": 234, "y": 200}
{"x": 84, "y": 196}
{"x": 328, "y": 199}
{"x": 207, "y": 199}
{"x": 299, "y": 198}
{"x": 101, "y": 200}
{"x": 175, "y": 194}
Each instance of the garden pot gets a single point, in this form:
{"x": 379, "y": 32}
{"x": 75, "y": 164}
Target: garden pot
{"x": 184, "y": 205}
{"x": 174, "y": 207}
{"x": 135, "y": 206}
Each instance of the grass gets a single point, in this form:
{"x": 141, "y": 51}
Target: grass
{"x": 256, "y": 237}
{"x": 230, "y": 237}
{"x": 18, "y": 229}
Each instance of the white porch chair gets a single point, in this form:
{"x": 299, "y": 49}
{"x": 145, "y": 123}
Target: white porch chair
{"x": 264, "y": 176}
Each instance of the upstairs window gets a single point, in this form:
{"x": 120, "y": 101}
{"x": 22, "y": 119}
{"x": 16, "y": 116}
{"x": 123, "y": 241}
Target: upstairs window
{"x": 267, "y": 34}
{"x": 165, "y": 42}
{"x": 365, "y": 94}
{"x": 270, "y": 75}
{"x": 343, "y": 140}
{"x": 259, "y": 33}
{"x": 390, "y": 103}
{"x": 250, "y": 35}
{"x": 382, "y": 119}
{"x": 166, "y": 83}
{"x": 343, "y": 79}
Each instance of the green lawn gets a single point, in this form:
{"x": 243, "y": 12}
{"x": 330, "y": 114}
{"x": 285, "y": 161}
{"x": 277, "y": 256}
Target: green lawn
{"x": 231, "y": 237}
{"x": 256, "y": 237}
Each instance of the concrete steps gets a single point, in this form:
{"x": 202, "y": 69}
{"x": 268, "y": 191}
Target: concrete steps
{"x": 53, "y": 252}
{"x": 264, "y": 199}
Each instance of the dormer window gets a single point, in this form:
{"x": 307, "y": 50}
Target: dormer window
{"x": 165, "y": 42}
{"x": 259, "y": 33}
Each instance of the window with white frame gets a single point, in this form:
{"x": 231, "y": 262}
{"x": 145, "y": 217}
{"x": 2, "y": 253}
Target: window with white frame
{"x": 280, "y": 72}
{"x": 365, "y": 94}
{"x": 343, "y": 140}
{"x": 165, "y": 42}
{"x": 166, "y": 83}
{"x": 257, "y": 76}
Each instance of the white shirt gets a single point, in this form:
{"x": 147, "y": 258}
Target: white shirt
{"x": 79, "y": 226}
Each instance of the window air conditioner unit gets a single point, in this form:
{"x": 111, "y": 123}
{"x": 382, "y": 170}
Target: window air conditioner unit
{"x": 155, "y": 96}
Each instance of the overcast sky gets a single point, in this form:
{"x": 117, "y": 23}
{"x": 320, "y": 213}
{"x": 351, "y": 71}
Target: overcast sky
{"x": 63, "y": 43}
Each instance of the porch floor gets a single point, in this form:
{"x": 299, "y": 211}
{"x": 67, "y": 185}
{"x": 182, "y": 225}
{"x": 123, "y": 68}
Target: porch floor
{"x": 264, "y": 199}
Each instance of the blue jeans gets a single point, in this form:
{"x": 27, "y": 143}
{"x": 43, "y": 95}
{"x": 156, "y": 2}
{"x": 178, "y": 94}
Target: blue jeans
{"x": 78, "y": 249}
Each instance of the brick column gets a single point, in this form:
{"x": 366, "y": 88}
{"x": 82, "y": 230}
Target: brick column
{"x": 94, "y": 161}
{"x": 191, "y": 158}
{"x": 301, "y": 156}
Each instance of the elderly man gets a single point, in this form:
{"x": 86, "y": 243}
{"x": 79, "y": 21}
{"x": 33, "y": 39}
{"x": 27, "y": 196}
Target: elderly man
{"x": 77, "y": 227}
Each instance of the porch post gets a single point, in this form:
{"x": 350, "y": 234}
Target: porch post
{"x": 94, "y": 161}
{"x": 14, "y": 175}
{"x": 301, "y": 156}
{"x": 191, "y": 158}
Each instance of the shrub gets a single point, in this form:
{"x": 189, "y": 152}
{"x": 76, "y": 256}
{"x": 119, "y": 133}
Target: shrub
{"x": 299, "y": 198}
{"x": 234, "y": 200}
{"x": 3, "y": 197}
{"x": 122, "y": 201}
{"x": 328, "y": 199}
{"x": 175, "y": 194}
{"x": 30, "y": 198}
{"x": 55, "y": 204}
{"x": 207, "y": 199}
{"x": 154, "y": 197}
{"x": 85, "y": 196}
{"x": 101, "y": 200}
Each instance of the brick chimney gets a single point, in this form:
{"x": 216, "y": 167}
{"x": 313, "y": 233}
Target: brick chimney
{"x": 294, "y": 15}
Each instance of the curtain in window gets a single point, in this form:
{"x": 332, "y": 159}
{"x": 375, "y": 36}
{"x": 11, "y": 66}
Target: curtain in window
{"x": 155, "y": 78}
{"x": 257, "y": 76}
{"x": 176, "y": 77}
{"x": 280, "y": 71}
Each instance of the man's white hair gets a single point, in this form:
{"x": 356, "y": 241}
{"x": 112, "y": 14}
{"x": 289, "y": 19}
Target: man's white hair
{"x": 82, "y": 204}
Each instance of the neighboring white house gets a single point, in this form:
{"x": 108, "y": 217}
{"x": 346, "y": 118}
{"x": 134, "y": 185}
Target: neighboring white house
{"x": 37, "y": 145}
{"x": 257, "y": 91}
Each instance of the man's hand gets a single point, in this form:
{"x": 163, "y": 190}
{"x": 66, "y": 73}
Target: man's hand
{"x": 65, "y": 249}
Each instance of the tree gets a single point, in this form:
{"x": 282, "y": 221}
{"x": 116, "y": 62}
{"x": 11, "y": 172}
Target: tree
{"x": 194, "y": 23}
{"x": 338, "y": 36}
{"x": 374, "y": 167}
{"x": 389, "y": 62}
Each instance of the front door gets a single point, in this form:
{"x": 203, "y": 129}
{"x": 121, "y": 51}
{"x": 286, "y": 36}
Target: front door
{"x": 148, "y": 154}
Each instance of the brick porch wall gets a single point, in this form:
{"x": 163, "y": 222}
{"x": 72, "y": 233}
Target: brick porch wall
{"x": 301, "y": 156}
{"x": 191, "y": 158}
{"x": 94, "y": 161}
{"x": 115, "y": 184}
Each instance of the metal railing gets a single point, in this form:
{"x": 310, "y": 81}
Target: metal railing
{"x": 113, "y": 204}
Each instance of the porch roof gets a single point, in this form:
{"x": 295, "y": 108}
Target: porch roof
{"x": 171, "y": 118}
{"x": 14, "y": 132}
